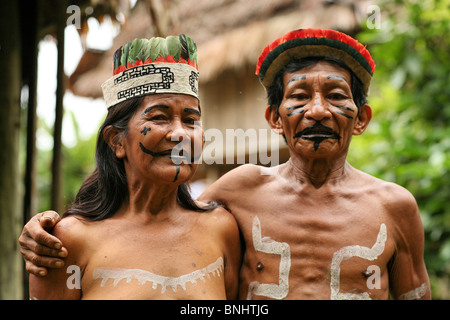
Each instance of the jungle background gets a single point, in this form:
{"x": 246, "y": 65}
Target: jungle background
{"x": 407, "y": 142}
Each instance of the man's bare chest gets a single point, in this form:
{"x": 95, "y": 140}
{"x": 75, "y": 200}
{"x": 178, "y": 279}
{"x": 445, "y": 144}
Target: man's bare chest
{"x": 320, "y": 251}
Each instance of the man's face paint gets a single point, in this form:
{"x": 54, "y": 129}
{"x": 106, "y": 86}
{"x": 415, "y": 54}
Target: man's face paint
{"x": 318, "y": 106}
{"x": 317, "y": 133}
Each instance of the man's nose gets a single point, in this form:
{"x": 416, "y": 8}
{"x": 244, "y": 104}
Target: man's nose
{"x": 318, "y": 109}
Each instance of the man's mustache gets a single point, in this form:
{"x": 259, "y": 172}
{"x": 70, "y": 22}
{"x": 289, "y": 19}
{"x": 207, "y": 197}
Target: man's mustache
{"x": 318, "y": 129}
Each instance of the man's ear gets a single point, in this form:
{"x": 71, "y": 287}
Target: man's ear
{"x": 114, "y": 138}
{"x": 363, "y": 119}
{"x": 274, "y": 119}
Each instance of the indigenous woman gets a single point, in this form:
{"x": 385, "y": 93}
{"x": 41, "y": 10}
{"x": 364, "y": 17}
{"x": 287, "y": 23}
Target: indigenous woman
{"x": 133, "y": 231}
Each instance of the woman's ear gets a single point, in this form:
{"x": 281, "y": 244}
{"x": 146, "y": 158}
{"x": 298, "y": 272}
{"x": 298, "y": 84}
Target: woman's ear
{"x": 274, "y": 119}
{"x": 114, "y": 138}
{"x": 363, "y": 119}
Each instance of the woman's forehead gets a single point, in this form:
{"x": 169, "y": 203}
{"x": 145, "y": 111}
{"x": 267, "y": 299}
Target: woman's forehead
{"x": 170, "y": 100}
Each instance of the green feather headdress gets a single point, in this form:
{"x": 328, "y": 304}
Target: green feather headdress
{"x": 173, "y": 49}
{"x": 149, "y": 66}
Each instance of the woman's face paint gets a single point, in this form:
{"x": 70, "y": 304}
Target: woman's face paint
{"x": 318, "y": 107}
{"x": 168, "y": 136}
{"x": 145, "y": 130}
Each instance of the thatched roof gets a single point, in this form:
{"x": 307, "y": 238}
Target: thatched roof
{"x": 230, "y": 34}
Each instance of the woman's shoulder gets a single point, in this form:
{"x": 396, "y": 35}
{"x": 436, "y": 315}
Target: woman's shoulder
{"x": 218, "y": 219}
{"x": 73, "y": 232}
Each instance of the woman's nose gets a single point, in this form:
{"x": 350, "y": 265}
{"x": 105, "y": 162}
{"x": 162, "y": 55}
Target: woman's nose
{"x": 177, "y": 132}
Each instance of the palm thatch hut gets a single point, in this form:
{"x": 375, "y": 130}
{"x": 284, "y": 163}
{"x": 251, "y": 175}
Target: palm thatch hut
{"x": 230, "y": 35}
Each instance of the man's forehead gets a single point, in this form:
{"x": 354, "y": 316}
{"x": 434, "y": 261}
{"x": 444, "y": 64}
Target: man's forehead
{"x": 321, "y": 69}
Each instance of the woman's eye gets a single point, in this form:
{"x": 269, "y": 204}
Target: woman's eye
{"x": 157, "y": 117}
{"x": 191, "y": 121}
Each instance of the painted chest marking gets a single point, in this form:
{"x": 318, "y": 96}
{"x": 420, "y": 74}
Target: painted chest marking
{"x": 355, "y": 251}
{"x": 142, "y": 276}
{"x": 267, "y": 245}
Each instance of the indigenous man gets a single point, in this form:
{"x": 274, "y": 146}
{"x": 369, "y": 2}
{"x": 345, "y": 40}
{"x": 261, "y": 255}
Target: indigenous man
{"x": 314, "y": 227}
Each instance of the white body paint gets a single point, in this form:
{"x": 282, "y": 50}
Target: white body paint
{"x": 354, "y": 251}
{"x": 267, "y": 245}
{"x": 415, "y": 294}
{"x": 143, "y": 276}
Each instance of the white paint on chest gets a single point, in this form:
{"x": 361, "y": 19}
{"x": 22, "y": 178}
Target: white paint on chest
{"x": 142, "y": 276}
{"x": 350, "y": 252}
{"x": 267, "y": 245}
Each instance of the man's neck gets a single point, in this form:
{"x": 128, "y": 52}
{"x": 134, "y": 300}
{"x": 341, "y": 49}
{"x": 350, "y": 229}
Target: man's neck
{"x": 318, "y": 171}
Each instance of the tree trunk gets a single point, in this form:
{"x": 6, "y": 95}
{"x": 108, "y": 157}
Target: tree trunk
{"x": 10, "y": 209}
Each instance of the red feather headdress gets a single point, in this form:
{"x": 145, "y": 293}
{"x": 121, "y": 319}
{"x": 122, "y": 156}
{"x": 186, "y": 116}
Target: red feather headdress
{"x": 304, "y": 43}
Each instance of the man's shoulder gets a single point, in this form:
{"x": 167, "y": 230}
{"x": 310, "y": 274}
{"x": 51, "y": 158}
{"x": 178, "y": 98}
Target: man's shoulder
{"x": 393, "y": 196}
{"x": 248, "y": 175}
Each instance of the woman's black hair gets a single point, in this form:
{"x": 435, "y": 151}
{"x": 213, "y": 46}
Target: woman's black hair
{"x": 106, "y": 188}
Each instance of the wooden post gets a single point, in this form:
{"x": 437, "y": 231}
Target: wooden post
{"x": 30, "y": 21}
{"x": 56, "y": 199}
{"x": 10, "y": 208}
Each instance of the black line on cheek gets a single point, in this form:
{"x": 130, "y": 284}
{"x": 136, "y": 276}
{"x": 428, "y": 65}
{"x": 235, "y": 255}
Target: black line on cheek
{"x": 145, "y": 150}
{"x": 297, "y": 110}
{"x": 176, "y": 174}
{"x": 145, "y": 130}
{"x": 345, "y": 115}
{"x": 345, "y": 108}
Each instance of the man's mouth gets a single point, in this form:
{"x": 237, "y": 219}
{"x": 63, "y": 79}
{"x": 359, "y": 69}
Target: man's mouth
{"x": 317, "y": 131}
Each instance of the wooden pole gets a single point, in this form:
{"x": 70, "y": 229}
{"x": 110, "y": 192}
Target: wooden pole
{"x": 56, "y": 199}
{"x": 10, "y": 208}
{"x": 30, "y": 21}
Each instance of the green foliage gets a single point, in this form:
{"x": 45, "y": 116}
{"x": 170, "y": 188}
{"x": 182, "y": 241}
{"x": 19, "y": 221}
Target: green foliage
{"x": 408, "y": 140}
{"x": 77, "y": 162}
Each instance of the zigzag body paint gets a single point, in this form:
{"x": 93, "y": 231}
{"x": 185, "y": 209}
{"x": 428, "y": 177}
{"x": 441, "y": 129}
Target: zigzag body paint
{"x": 142, "y": 276}
{"x": 267, "y": 245}
{"x": 354, "y": 251}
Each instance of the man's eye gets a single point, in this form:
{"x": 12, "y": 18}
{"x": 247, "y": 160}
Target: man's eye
{"x": 301, "y": 96}
{"x": 336, "y": 96}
